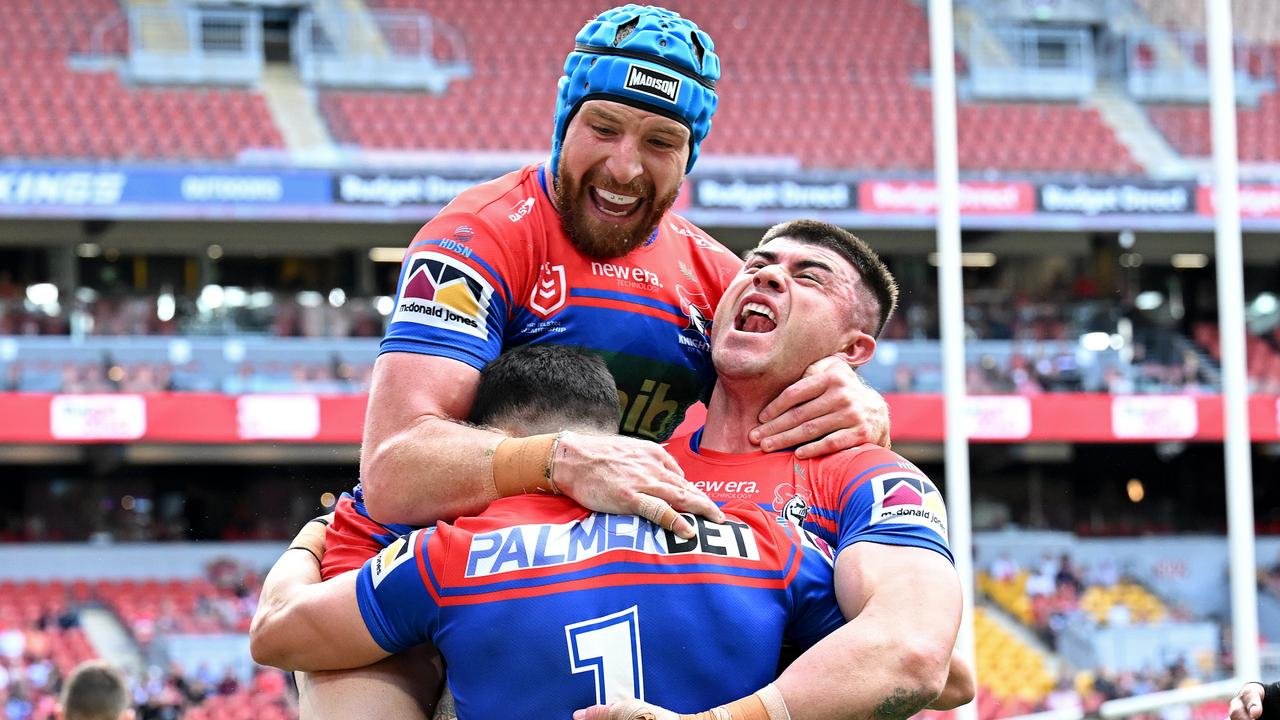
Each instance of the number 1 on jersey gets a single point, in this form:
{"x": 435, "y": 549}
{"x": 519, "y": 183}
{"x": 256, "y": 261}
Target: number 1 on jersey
{"x": 609, "y": 646}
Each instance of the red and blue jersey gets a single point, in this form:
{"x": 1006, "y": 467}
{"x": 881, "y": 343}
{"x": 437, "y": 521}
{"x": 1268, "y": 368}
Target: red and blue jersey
{"x": 541, "y": 607}
{"x": 495, "y": 270}
{"x": 865, "y": 494}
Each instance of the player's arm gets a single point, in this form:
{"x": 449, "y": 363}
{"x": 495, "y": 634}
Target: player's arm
{"x": 891, "y": 659}
{"x": 831, "y": 408}
{"x": 304, "y": 624}
{"x": 961, "y": 685}
{"x": 419, "y": 464}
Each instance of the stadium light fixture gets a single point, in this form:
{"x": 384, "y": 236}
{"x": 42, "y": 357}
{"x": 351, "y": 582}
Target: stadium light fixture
{"x": 260, "y": 299}
{"x": 310, "y": 298}
{"x": 234, "y": 297}
{"x": 211, "y": 297}
{"x": 384, "y": 305}
{"x": 165, "y": 307}
{"x": 214, "y": 252}
{"x": 1149, "y": 300}
{"x": 42, "y": 294}
{"x": 1189, "y": 261}
{"x": 1135, "y": 490}
{"x": 1095, "y": 341}
{"x": 386, "y": 254}
{"x": 969, "y": 259}
{"x": 337, "y": 297}
{"x": 1265, "y": 303}
{"x": 88, "y": 250}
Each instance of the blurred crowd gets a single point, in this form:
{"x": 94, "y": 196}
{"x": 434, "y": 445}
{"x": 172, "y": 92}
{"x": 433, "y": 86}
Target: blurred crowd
{"x": 41, "y": 641}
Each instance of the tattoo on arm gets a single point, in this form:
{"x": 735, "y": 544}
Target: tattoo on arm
{"x": 901, "y": 704}
{"x": 445, "y": 709}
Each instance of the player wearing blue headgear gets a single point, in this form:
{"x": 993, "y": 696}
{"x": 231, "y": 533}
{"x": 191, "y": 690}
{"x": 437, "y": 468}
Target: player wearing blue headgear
{"x": 582, "y": 251}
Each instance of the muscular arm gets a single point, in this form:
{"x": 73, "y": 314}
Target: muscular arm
{"x": 961, "y": 686}
{"x": 303, "y": 624}
{"x": 419, "y": 465}
{"x": 891, "y": 659}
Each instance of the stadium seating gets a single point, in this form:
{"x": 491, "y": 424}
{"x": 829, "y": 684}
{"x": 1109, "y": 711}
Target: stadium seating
{"x": 1262, "y": 355}
{"x": 42, "y": 642}
{"x": 50, "y": 111}
{"x": 1252, "y": 20}
{"x": 854, "y": 103}
{"x": 1186, "y": 126}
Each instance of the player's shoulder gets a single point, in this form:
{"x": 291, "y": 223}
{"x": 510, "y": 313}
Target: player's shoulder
{"x": 495, "y": 208}
{"x": 678, "y": 231}
{"x": 863, "y": 460}
{"x": 488, "y": 196}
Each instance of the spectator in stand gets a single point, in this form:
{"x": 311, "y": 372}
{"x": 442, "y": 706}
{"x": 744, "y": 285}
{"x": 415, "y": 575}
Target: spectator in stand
{"x": 1063, "y": 696}
{"x": 1067, "y": 576}
{"x": 1004, "y": 568}
{"x": 96, "y": 691}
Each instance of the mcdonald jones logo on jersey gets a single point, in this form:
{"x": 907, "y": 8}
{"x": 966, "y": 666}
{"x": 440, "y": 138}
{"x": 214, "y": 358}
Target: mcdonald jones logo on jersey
{"x": 440, "y": 291}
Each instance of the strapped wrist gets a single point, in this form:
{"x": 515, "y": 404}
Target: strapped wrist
{"x": 526, "y": 465}
{"x": 764, "y": 704}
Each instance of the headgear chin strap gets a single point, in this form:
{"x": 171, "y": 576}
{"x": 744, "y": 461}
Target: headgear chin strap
{"x": 646, "y": 57}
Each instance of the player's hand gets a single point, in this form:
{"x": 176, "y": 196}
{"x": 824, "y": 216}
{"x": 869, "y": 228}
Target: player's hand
{"x": 312, "y": 535}
{"x": 1248, "y": 704}
{"x": 625, "y": 710}
{"x": 828, "y": 410}
{"x": 626, "y": 476}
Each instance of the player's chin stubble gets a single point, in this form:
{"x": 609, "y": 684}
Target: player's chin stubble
{"x": 604, "y": 240}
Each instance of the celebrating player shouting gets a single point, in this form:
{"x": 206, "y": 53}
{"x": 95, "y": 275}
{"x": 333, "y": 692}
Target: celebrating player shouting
{"x": 584, "y": 251}
{"x": 812, "y": 290}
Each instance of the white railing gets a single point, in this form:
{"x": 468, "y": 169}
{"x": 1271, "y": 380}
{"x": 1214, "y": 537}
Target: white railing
{"x": 378, "y": 49}
{"x": 195, "y": 45}
{"x": 1032, "y": 62}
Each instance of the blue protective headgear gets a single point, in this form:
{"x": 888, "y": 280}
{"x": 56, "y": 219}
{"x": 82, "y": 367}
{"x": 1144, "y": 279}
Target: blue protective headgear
{"x": 647, "y": 57}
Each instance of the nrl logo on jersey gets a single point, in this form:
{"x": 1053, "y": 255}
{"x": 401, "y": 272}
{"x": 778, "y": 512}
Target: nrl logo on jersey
{"x": 550, "y": 290}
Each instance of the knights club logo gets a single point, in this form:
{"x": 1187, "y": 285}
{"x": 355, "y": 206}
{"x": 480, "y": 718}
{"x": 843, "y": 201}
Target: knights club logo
{"x": 440, "y": 291}
{"x": 549, "y": 291}
{"x": 697, "y": 309}
{"x": 791, "y": 503}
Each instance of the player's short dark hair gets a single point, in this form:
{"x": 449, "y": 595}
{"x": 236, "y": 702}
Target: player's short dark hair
{"x": 870, "y": 267}
{"x": 535, "y": 384}
{"x": 95, "y": 691}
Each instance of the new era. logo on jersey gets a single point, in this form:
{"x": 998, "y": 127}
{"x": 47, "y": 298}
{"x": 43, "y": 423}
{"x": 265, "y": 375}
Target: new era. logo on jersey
{"x": 652, "y": 82}
{"x": 440, "y": 291}
{"x": 910, "y": 500}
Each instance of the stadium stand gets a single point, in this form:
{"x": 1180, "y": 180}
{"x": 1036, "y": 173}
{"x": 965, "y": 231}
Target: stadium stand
{"x": 41, "y": 641}
{"x": 855, "y": 104}
{"x": 1186, "y": 126}
{"x": 1262, "y": 355}
{"x": 50, "y": 111}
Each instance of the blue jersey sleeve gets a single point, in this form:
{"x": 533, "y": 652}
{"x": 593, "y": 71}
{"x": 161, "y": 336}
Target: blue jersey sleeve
{"x": 393, "y": 597}
{"x": 886, "y": 499}
{"x": 814, "y": 611}
{"x": 452, "y": 299}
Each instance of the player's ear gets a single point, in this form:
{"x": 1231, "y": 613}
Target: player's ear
{"x": 858, "y": 350}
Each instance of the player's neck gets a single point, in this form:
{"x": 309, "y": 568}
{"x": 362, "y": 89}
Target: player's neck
{"x": 732, "y": 413}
